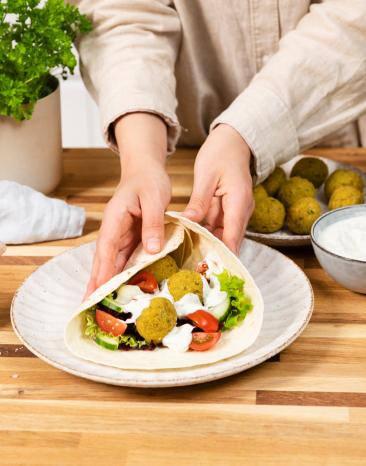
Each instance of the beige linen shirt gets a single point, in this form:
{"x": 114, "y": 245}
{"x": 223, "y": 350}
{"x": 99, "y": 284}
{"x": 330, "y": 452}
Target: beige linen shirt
{"x": 283, "y": 73}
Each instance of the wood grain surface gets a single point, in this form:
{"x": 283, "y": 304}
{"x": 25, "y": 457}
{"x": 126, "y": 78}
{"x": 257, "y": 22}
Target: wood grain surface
{"x": 306, "y": 406}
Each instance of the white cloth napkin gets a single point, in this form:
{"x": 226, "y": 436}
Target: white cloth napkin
{"x": 27, "y": 216}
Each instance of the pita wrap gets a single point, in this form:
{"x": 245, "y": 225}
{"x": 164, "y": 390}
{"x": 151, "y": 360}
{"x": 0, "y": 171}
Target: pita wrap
{"x": 188, "y": 243}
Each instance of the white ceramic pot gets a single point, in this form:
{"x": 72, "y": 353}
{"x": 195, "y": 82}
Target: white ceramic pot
{"x": 30, "y": 151}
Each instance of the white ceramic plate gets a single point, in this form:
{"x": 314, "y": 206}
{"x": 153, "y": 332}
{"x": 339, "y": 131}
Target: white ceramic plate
{"x": 284, "y": 237}
{"x": 44, "y": 302}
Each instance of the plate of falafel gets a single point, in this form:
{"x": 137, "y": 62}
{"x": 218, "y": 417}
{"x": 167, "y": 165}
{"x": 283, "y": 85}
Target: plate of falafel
{"x": 297, "y": 193}
{"x": 193, "y": 303}
{"x": 246, "y": 314}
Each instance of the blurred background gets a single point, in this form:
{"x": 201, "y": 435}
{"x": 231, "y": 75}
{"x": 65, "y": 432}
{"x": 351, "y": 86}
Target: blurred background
{"x": 80, "y": 116}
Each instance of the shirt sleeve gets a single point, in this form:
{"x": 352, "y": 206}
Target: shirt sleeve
{"x": 311, "y": 87}
{"x": 128, "y": 59}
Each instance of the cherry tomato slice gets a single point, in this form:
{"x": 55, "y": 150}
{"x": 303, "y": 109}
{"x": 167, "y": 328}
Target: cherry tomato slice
{"x": 110, "y": 324}
{"x": 146, "y": 281}
{"x": 204, "y": 320}
{"x": 202, "y": 341}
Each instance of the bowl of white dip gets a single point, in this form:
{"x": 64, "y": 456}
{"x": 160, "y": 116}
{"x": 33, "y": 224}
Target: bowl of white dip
{"x": 339, "y": 241}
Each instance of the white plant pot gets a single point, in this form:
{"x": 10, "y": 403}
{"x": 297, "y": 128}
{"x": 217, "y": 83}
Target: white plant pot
{"x": 31, "y": 150}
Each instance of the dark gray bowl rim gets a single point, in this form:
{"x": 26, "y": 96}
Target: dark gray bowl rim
{"x": 326, "y": 214}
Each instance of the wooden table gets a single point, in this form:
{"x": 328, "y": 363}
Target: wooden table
{"x": 305, "y": 406}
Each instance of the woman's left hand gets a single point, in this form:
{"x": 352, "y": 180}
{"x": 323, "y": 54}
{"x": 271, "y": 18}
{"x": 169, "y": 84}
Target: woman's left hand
{"x": 222, "y": 189}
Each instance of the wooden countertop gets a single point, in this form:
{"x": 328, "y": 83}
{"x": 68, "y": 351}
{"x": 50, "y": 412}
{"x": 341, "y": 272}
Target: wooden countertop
{"x": 305, "y": 406}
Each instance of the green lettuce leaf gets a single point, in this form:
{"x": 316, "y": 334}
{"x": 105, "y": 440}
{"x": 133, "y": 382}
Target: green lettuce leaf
{"x": 132, "y": 342}
{"x": 240, "y": 303}
{"x": 91, "y": 330}
{"x": 91, "y": 326}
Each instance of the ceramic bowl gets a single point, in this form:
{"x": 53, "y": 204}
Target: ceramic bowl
{"x": 350, "y": 273}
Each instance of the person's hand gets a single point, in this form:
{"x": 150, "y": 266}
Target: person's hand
{"x": 136, "y": 210}
{"x": 222, "y": 190}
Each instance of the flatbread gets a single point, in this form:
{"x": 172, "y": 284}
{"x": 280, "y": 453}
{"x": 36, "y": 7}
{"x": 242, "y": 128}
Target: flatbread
{"x": 189, "y": 243}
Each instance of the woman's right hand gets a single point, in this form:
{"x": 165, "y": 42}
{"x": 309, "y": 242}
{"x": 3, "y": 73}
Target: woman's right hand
{"x": 136, "y": 210}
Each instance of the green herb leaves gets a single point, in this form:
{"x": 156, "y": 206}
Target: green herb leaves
{"x": 240, "y": 303}
{"x": 35, "y": 41}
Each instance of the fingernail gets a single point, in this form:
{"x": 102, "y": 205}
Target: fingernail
{"x": 153, "y": 245}
{"x": 190, "y": 213}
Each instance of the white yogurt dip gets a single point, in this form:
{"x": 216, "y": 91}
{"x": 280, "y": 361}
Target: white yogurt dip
{"x": 346, "y": 238}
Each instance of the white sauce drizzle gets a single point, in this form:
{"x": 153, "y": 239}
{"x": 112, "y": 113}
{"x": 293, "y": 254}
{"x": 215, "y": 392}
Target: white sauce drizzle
{"x": 347, "y": 238}
{"x": 134, "y": 301}
{"x": 165, "y": 293}
{"x": 135, "y": 307}
{"x": 212, "y": 294}
{"x": 188, "y": 304}
{"x": 213, "y": 263}
{"x": 179, "y": 338}
{"x": 126, "y": 293}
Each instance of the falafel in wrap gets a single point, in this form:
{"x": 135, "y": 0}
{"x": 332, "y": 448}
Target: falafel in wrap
{"x": 194, "y": 303}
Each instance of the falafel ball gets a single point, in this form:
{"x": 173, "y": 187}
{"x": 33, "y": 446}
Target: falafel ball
{"x": 302, "y": 214}
{"x": 163, "y": 268}
{"x": 268, "y": 216}
{"x": 342, "y": 177}
{"x": 343, "y": 196}
{"x": 157, "y": 320}
{"x": 295, "y": 188}
{"x": 183, "y": 282}
{"x": 259, "y": 193}
{"x": 312, "y": 169}
{"x": 274, "y": 182}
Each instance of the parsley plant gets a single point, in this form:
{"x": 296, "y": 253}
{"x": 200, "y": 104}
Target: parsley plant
{"x": 35, "y": 43}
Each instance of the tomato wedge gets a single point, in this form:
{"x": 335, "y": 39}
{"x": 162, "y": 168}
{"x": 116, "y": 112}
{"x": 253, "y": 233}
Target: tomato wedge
{"x": 202, "y": 341}
{"x": 110, "y": 324}
{"x": 204, "y": 320}
{"x": 146, "y": 281}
